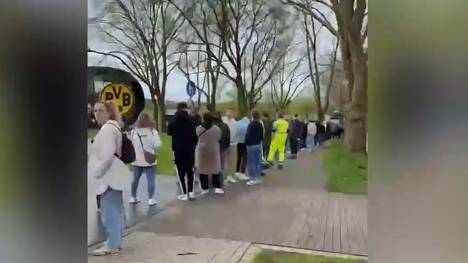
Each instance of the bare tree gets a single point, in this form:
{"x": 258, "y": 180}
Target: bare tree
{"x": 288, "y": 80}
{"x": 248, "y": 39}
{"x": 189, "y": 65}
{"x": 141, "y": 34}
{"x": 311, "y": 33}
{"x": 352, "y": 31}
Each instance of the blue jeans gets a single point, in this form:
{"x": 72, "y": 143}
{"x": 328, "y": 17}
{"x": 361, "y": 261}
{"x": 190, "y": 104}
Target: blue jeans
{"x": 113, "y": 217}
{"x": 310, "y": 142}
{"x": 254, "y": 161}
{"x": 150, "y": 176}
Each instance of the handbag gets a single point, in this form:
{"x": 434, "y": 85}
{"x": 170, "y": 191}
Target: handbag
{"x": 149, "y": 157}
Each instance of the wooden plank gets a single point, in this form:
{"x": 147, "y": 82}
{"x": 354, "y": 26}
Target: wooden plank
{"x": 364, "y": 214}
{"x": 353, "y": 233}
{"x": 311, "y": 224}
{"x": 297, "y": 223}
{"x": 360, "y": 217}
{"x": 328, "y": 245}
{"x": 344, "y": 225}
{"x": 317, "y": 240}
{"x": 336, "y": 224}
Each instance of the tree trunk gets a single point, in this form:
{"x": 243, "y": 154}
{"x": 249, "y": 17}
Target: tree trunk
{"x": 355, "y": 128}
{"x": 320, "y": 114}
{"x": 162, "y": 116}
{"x": 155, "y": 111}
{"x": 318, "y": 103}
{"x": 242, "y": 102}
{"x": 356, "y": 110}
{"x": 213, "y": 95}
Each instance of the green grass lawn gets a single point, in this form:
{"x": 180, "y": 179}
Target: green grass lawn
{"x": 347, "y": 172}
{"x": 165, "y": 163}
{"x": 267, "y": 256}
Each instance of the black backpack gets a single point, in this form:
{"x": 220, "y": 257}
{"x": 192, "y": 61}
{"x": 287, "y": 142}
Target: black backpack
{"x": 225, "y": 140}
{"x": 128, "y": 151}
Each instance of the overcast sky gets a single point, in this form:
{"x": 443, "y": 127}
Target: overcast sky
{"x": 175, "y": 89}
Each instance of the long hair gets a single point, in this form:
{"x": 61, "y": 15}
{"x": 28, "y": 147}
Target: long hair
{"x": 207, "y": 120}
{"x": 111, "y": 108}
{"x": 144, "y": 121}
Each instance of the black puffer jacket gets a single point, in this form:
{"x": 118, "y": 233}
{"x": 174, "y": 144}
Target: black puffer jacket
{"x": 225, "y": 140}
{"x": 182, "y": 130}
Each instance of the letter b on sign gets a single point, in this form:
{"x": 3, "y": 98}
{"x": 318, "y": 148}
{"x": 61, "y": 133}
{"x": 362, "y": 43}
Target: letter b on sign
{"x": 126, "y": 99}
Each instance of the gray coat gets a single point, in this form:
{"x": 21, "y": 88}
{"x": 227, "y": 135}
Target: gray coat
{"x": 207, "y": 156}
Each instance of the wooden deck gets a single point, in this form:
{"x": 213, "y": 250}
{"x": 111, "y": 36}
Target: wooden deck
{"x": 290, "y": 209}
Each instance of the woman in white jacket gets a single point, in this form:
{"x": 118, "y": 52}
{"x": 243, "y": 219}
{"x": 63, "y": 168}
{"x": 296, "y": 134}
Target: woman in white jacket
{"x": 111, "y": 175}
{"x": 144, "y": 138}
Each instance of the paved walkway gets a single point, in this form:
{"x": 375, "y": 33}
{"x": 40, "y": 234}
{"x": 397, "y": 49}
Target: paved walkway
{"x": 291, "y": 208}
{"x": 166, "y": 192}
{"x": 141, "y": 247}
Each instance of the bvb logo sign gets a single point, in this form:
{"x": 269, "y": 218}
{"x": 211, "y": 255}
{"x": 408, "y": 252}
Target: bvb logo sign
{"x": 120, "y": 94}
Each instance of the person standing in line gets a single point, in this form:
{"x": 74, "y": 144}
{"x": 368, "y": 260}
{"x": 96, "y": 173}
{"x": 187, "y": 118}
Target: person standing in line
{"x": 278, "y": 142}
{"x": 146, "y": 141}
{"x": 253, "y": 140}
{"x": 184, "y": 141}
{"x": 111, "y": 175}
{"x": 295, "y": 135}
{"x": 241, "y": 130}
{"x": 304, "y": 134}
{"x": 207, "y": 157}
{"x": 230, "y": 120}
{"x": 195, "y": 116}
{"x": 224, "y": 144}
{"x": 320, "y": 134}
{"x": 268, "y": 128}
{"x": 311, "y": 135}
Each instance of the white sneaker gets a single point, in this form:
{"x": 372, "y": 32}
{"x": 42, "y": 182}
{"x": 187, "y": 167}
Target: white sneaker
{"x": 134, "y": 200}
{"x": 243, "y": 177}
{"x": 152, "y": 202}
{"x": 219, "y": 191}
{"x": 182, "y": 197}
{"x": 231, "y": 179}
{"x": 104, "y": 251}
{"x": 253, "y": 182}
{"x": 204, "y": 192}
{"x": 192, "y": 195}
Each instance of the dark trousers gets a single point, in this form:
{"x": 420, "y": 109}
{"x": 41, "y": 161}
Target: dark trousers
{"x": 184, "y": 170}
{"x": 205, "y": 181}
{"x": 294, "y": 145}
{"x": 241, "y": 157}
{"x": 266, "y": 149}
{"x": 98, "y": 200}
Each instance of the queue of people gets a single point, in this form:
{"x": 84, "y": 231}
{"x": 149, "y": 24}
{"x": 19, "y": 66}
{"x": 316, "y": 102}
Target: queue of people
{"x": 219, "y": 149}
{"x": 215, "y": 147}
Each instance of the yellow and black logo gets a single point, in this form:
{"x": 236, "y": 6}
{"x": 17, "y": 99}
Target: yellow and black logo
{"x": 120, "y": 94}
